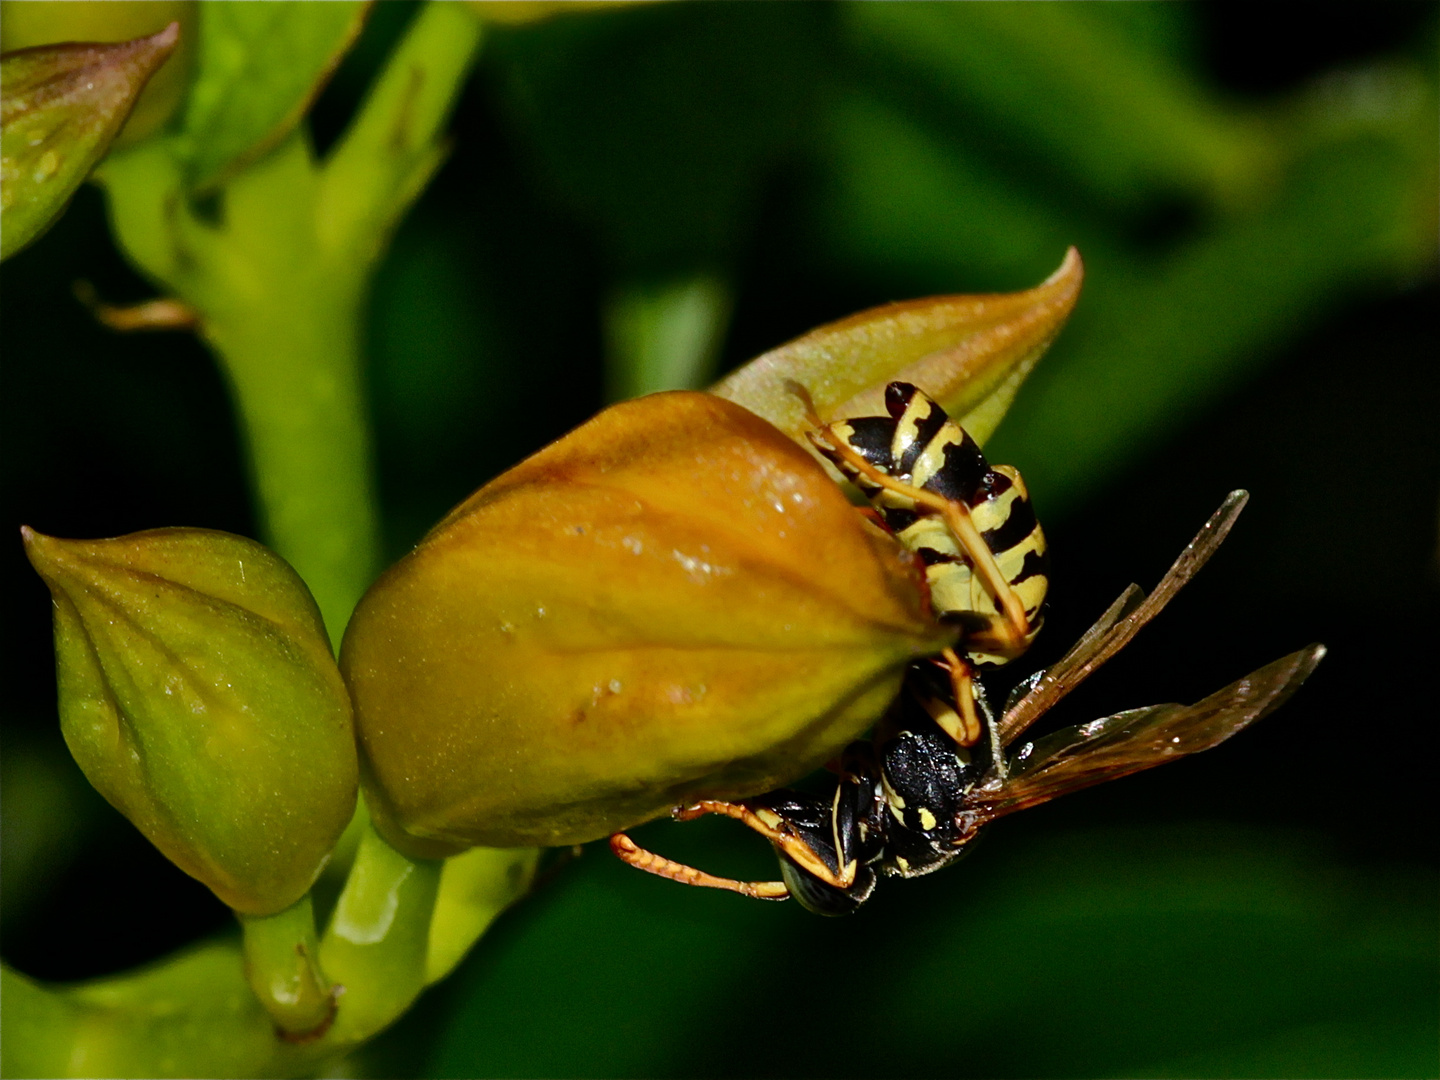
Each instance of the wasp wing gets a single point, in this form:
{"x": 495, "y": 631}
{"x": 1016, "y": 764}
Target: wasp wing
{"x": 1124, "y": 604}
{"x": 1121, "y": 622}
{"x": 1115, "y": 746}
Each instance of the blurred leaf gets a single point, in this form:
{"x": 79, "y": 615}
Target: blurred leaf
{"x": 260, "y": 66}
{"x": 1159, "y": 335}
{"x": 63, "y": 105}
{"x": 523, "y": 11}
{"x": 25, "y": 1011}
{"x": 1146, "y": 128}
{"x": 1161, "y": 341}
{"x": 905, "y": 204}
{"x": 1087, "y": 954}
{"x": 683, "y": 112}
{"x": 664, "y": 336}
{"x": 46, "y": 811}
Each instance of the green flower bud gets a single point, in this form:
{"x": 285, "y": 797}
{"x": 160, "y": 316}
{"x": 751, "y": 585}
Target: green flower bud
{"x": 199, "y": 695}
{"x": 672, "y": 602}
{"x": 60, "y": 108}
{"x": 25, "y": 24}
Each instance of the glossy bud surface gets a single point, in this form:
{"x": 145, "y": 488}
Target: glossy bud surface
{"x": 199, "y": 695}
{"x": 672, "y": 602}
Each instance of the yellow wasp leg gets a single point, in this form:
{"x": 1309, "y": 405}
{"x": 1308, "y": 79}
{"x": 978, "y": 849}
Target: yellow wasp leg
{"x": 957, "y": 519}
{"x": 767, "y": 824}
{"x": 630, "y": 852}
{"x": 963, "y": 722}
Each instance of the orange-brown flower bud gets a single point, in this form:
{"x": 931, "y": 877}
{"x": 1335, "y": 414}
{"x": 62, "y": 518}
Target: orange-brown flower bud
{"x": 672, "y": 602}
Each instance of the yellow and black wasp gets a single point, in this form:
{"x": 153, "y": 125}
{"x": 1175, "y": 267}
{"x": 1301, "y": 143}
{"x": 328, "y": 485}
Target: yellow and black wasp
{"x": 971, "y": 525}
{"x": 910, "y": 800}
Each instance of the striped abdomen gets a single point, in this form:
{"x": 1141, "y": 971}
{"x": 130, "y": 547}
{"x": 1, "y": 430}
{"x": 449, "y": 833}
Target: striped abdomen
{"x": 920, "y": 446}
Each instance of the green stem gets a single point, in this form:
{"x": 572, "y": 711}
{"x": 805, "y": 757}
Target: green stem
{"x": 378, "y": 938}
{"x": 194, "y": 1015}
{"x": 279, "y": 280}
{"x": 280, "y": 286}
{"x": 283, "y": 969}
{"x": 474, "y": 889}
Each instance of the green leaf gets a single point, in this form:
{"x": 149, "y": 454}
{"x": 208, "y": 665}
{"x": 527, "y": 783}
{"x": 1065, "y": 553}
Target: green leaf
{"x": 260, "y": 67}
{"x": 1179, "y": 950}
{"x": 63, "y": 106}
{"x": 1027, "y": 80}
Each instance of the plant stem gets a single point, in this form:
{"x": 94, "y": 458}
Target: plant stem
{"x": 278, "y": 279}
{"x": 280, "y": 283}
{"x": 282, "y": 967}
{"x": 378, "y": 938}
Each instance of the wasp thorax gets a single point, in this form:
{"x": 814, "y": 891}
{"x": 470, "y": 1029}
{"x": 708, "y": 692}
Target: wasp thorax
{"x": 673, "y": 602}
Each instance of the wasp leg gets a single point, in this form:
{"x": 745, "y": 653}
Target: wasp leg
{"x": 958, "y": 520}
{"x": 962, "y": 723}
{"x": 768, "y": 824}
{"x": 630, "y": 852}
{"x": 870, "y": 514}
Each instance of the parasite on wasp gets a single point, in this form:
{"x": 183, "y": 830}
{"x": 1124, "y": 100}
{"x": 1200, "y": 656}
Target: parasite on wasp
{"x": 910, "y": 800}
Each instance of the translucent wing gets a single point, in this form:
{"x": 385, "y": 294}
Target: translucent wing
{"x": 1121, "y": 622}
{"x": 1128, "y": 742}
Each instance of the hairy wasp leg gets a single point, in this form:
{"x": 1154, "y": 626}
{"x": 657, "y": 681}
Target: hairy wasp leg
{"x": 631, "y": 853}
{"x": 962, "y": 723}
{"x": 957, "y": 519}
{"x": 769, "y": 825}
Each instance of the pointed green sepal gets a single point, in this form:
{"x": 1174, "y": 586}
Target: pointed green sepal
{"x": 970, "y": 353}
{"x": 61, "y": 107}
{"x": 199, "y": 695}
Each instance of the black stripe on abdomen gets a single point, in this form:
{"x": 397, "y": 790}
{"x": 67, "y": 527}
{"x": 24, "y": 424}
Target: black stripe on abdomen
{"x": 1013, "y": 530}
{"x": 962, "y": 474}
{"x": 871, "y": 437}
{"x": 903, "y": 400}
{"x": 1035, "y": 564}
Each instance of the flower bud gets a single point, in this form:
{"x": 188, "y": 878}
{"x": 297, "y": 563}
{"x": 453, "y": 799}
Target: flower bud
{"x": 199, "y": 695}
{"x": 60, "y": 108}
{"x": 26, "y": 25}
{"x": 672, "y": 602}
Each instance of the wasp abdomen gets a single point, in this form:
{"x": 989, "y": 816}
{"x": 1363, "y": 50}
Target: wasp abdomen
{"x": 921, "y": 447}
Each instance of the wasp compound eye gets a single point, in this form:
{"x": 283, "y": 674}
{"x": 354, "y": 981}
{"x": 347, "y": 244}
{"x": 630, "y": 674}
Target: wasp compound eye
{"x": 822, "y": 898}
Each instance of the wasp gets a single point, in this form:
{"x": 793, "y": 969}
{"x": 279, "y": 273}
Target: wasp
{"x": 911, "y": 799}
{"x": 970, "y": 525}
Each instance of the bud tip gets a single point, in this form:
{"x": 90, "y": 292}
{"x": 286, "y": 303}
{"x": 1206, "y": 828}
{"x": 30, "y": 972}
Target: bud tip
{"x": 171, "y": 34}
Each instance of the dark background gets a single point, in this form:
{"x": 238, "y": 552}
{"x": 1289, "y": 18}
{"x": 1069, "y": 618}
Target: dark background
{"x": 1267, "y": 909}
